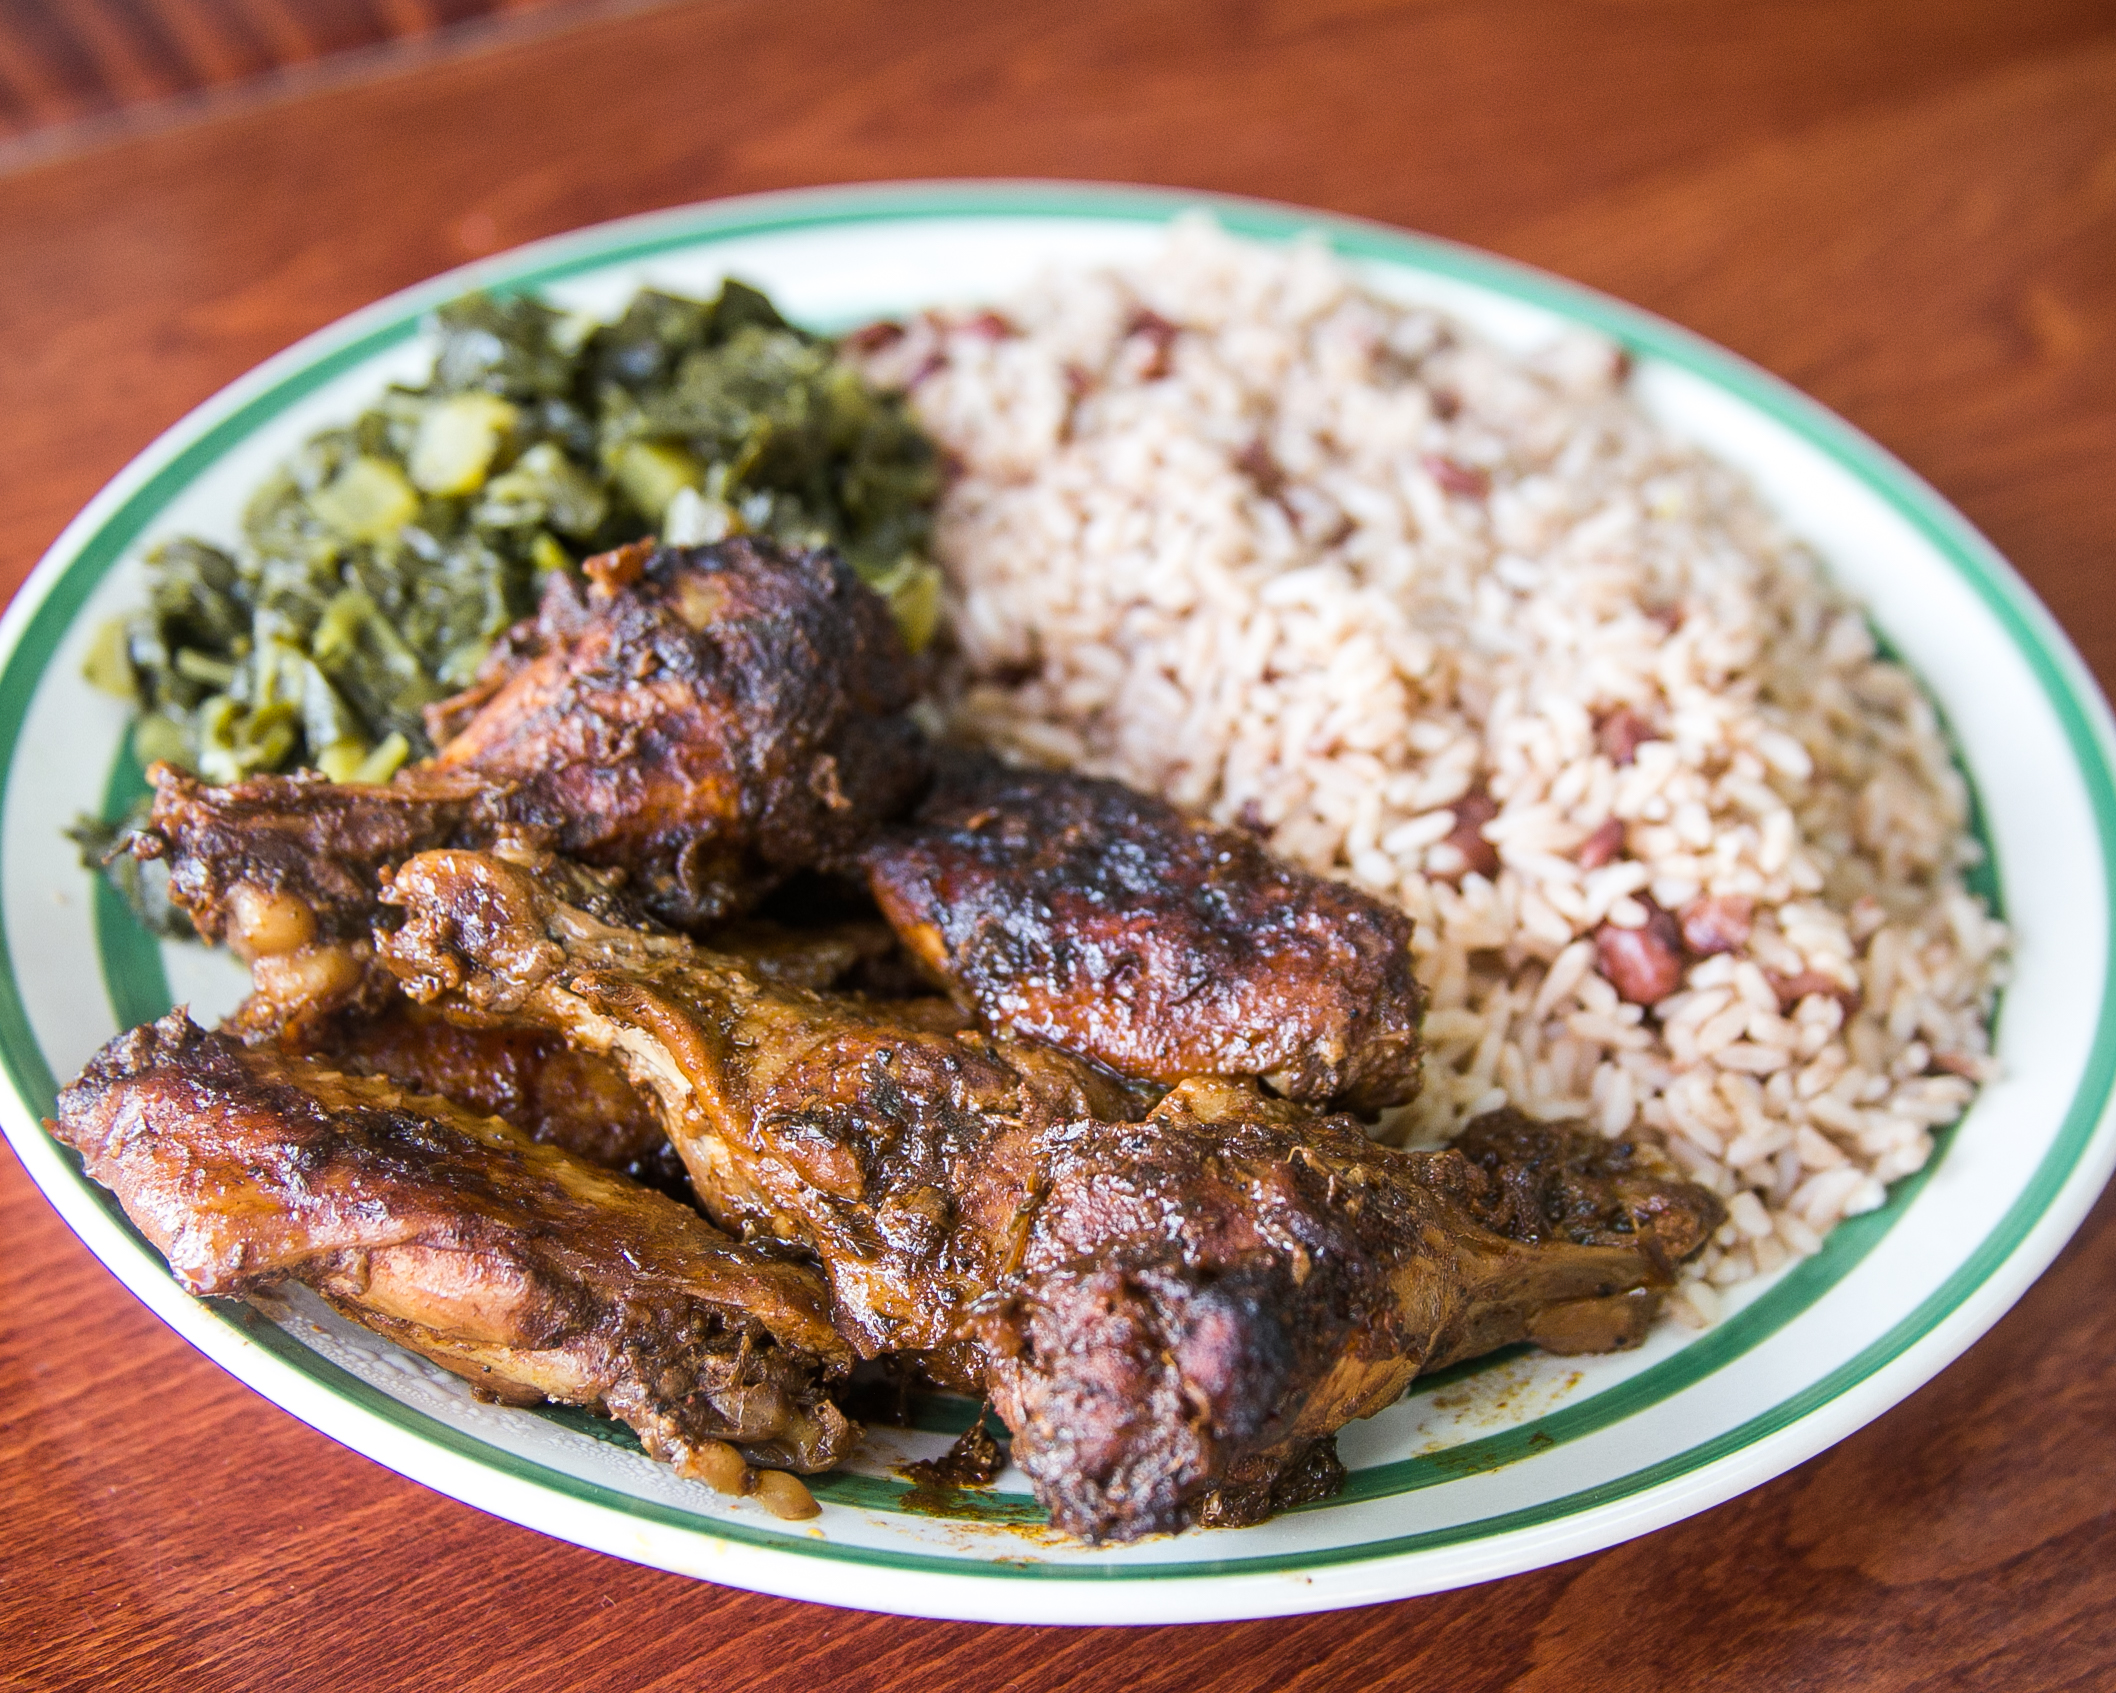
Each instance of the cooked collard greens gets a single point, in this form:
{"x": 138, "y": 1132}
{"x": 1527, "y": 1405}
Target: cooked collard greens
{"x": 377, "y": 566}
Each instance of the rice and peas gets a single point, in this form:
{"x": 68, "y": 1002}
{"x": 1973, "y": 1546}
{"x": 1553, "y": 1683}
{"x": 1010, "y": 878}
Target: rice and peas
{"x": 1471, "y": 631}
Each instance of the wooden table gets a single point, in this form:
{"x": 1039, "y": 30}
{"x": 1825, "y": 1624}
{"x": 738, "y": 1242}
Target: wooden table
{"x": 1908, "y": 207}
{"x": 116, "y": 63}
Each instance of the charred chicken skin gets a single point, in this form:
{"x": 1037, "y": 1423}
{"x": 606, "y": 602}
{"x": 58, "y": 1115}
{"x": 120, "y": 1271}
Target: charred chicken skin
{"x": 1202, "y": 1299}
{"x": 531, "y": 1076}
{"x": 708, "y": 720}
{"x": 1111, "y": 925}
{"x": 724, "y": 715}
{"x": 1173, "y": 1315}
{"x": 529, "y": 1271}
{"x": 553, "y": 1092}
{"x": 855, "y": 1129}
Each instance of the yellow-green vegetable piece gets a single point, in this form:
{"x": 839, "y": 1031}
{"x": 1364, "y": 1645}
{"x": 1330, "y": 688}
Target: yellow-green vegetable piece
{"x": 108, "y": 665}
{"x": 546, "y": 554}
{"x": 198, "y": 667}
{"x": 385, "y": 761}
{"x": 913, "y": 592}
{"x": 369, "y": 500}
{"x": 653, "y": 473}
{"x": 458, "y": 441}
{"x": 543, "y": 486}
{"x": 341, "y": 760}
{"x": 159, "y": 738}
{"x": 233, "y": 742}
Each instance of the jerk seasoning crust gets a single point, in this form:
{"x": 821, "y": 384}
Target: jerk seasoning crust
{"x": 1108, "y": 923}
{"x": 517, "y": 1265}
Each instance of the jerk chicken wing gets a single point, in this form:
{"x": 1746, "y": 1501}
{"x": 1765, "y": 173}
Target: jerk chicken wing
{"x": 1109, "y": 924}
{"x": 527, "y": 1270}
{"x": 1173, "y": 1315}
{"x": 708, "y": 720}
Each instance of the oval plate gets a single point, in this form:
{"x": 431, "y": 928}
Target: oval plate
{"x": 1485, "y": 1472}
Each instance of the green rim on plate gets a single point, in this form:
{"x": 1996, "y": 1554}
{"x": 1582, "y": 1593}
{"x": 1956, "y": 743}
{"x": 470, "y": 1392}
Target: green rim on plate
{"x": 138, "y": 989}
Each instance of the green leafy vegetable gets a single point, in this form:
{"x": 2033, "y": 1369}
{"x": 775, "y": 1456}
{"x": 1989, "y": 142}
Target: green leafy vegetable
{"x": 143, "y": 887}
{"x": 377, "y": 566}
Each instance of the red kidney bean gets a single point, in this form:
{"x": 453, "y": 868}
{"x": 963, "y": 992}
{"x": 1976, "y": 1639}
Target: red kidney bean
{"x": 1645, "y": 964}
{"x": 1599, "y": 848}
{"x": 1791, "y": 990}
{"x": 1718, "y": 924}
{"x": 1472, "y": 812}
{"x": 1466, "y": 480}
{"x": 872, "y": 337}
{"x": 1620, "y": 734}
{"x": 1255, "y": 462}
{"x": 1161, "y": 335}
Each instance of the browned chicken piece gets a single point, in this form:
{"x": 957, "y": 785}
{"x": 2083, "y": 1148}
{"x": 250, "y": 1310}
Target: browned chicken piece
{"x": 1205, "y": 1297}
{"x": 517, "y": 1265}
{"x": 1173, "y": 1315}
{"x": 531, "y": 1076}
{"x": 1109, "y": 924}
{"x": 849, "y": 1127}
{"x": 553, "y": 1092}
{"x": 711, "y": 719}
{"x": 285, "y": 869}
{"x": 725, "y": 714}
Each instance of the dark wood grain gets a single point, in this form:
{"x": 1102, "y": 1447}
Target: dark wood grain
{"x": 62, "y": 61}
{"x": 1908, "y": 208}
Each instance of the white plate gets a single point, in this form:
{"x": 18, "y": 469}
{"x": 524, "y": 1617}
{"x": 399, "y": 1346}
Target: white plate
{"x": 1497, "y": 1471}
